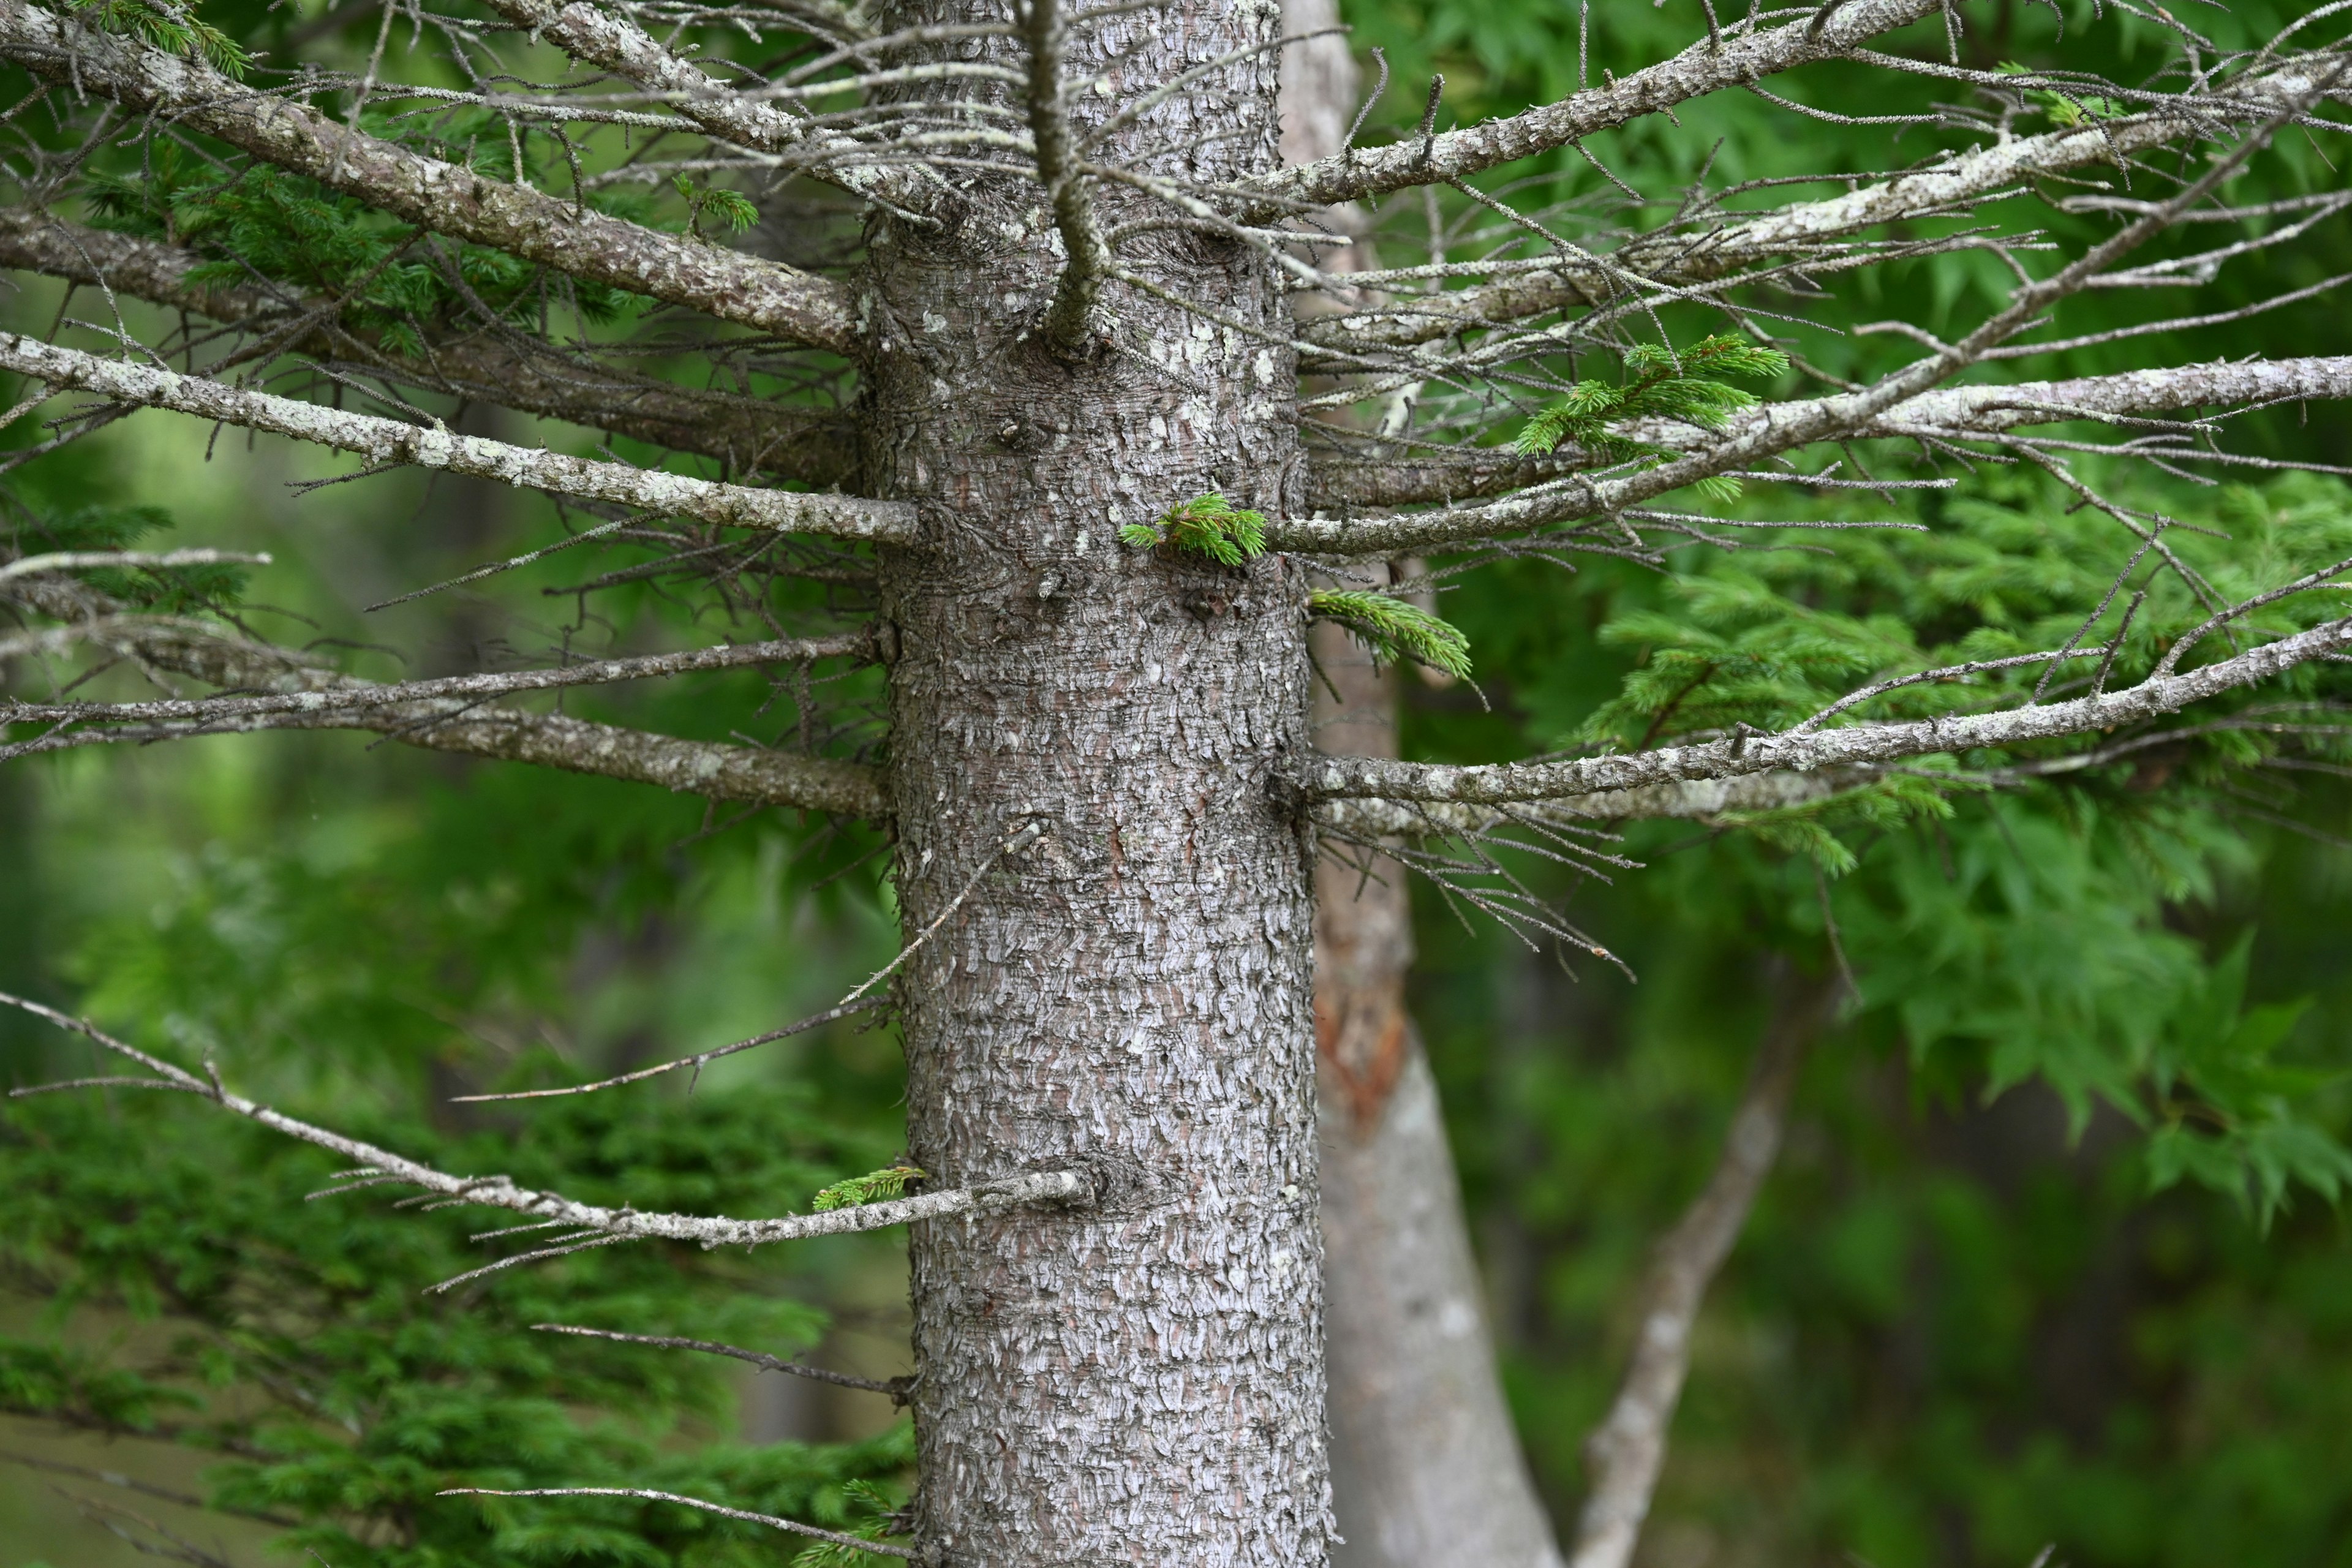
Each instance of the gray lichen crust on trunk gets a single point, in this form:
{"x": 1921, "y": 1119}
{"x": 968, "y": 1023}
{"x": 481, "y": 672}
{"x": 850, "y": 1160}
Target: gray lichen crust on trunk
{"x": 1141, "y": 1381}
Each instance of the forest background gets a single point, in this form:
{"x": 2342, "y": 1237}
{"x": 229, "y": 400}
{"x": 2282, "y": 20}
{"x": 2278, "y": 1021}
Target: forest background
{"x": 1998, "y": 1293}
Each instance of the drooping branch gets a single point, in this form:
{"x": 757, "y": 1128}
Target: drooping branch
{"x": 391, "y": 441}
{"x": 1626, "y": 1451}
{"x": 1953, "y": 413}
{"x": 751, "y": 433}
{"x": 376, "y": 1167}
{"x": 1810, "y": 750}
{"x": 749, "y": 775}
{"x": 444, "y": 198}
{"x": 1836, "y": 30}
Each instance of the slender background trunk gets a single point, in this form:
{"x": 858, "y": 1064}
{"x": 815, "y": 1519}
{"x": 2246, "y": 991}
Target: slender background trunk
{"x": 1139, "y": 1380}
{"x": 1426, "y": 1467}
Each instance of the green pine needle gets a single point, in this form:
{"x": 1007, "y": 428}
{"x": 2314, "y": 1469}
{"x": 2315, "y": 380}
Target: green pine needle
{"x": 1209, "y": 526}
{"x": 732, "y": 208}
{"x": 174, "y": 28}
{"x": 878, "y": 1523}
{"x": 1659, "y": 385}
{"x": 890, "y": 1182}
{"x": 1393, "y": 629}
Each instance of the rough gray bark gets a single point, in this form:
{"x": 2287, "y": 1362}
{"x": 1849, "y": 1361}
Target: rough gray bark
{"x": 1425, "y": 1465}
{"x": 1141, "y": 1382}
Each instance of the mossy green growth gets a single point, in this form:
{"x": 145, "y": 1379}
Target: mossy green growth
{"x": 1662, "y": 385}
{"x": 889, "y": 1182}
{"x": 1208, "y": 526}
{"x": 1393, "y": 629}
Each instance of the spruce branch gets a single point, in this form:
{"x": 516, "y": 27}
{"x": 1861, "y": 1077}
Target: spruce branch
{"x": 390, "y": 441}
{"x": 375, "y": 1165}
{"x": 444, "y": 198}
{"x": 482, "y": 366}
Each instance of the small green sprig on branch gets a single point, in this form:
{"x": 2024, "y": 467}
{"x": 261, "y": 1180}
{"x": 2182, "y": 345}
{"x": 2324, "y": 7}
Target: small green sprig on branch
{"x": 889, "y": 1182}
{"x": 176, "y": 29}
{"x": 1394, "y": 631}
{"x": 1660, "y": 385}
{"x": 1209, "y": 526}
{"x": 881, "y": 1520}
{"x": 731, "y": 210}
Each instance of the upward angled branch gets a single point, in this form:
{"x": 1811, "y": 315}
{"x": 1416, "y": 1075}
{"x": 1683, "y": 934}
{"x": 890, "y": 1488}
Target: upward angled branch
{"x": 1626, "y": 1451}
{"x": 1702, "y": 68}
{"x": 1086, "y": 258}
{"x": 392, "y": 441}
{"x": 1956, "y": 412}
{"x": 1806, "y": 750}
{"x": 1678, "y": 258}
{"x": 444, "y": 198}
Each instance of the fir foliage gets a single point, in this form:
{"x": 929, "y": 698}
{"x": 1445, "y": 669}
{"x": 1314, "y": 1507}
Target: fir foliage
{"x": 258, "y": 221}
{"x": 1659, "y": 385}
{"x": 890, "y": 1182}
{"x": 1393, "y": 629}
{"x": 166, "y": 25}
{"x": 163, "y": 590}
{"x": 1207, "y": 526}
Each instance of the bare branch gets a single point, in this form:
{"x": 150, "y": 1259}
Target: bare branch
{"x": 751, "y": 433}
{"x": 622, "y": 1224}
{"x": 794, "y": 1525}
{"x": 1625, "y": 1452}
{"x": 896, "y": 1387}
{"x": 389, "y": 441}
{"x": 1860, "y": 745}
{"x": 1702, "y": 68}
{"x": 232, "y": 711}
{"x": 748, "y": 774}
{"x": 1676, "y": 257}
{"x": 1700, "y": 800}
{"x": 441, "y": 197}
{"x": 698, "y": 1061}
{"x": 116, "y": 560}
{"x": 615, "y": 44}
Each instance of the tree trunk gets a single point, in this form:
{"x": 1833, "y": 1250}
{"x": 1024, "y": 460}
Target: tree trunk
{"x": 1139, "y": 1380}
{"x": 1426, "y": 1467}
{"x": 1426, "y": 1471}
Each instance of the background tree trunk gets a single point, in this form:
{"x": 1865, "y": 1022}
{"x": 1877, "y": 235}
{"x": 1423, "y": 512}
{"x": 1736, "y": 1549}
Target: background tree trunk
{"x": 1138, "y": 1380}
{"x": 1426, "y": 1471}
